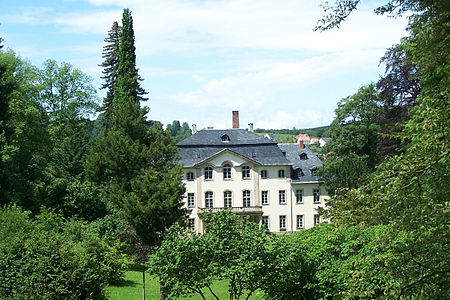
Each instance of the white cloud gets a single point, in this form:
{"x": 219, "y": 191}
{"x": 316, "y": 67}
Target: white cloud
{"x": 299, "y": 119}
{"x": 179, "y": 25}
{"x": 255, "y": 89}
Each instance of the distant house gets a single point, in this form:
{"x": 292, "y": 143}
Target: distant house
{"x": 274, "y": 184}
{"x": 323, "y": 141}
{"x": 303, "y": 137}
{"x": 314, "y": 141}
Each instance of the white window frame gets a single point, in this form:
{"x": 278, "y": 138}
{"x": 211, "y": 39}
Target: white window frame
{"x": 316, "y": 195}
{"x": 191, "y": 199}
{"x": 191, "y": 224}
{"x": 282, "y": 197}
{"x": 265, "y": 197}
{"x": 300, "y": 221}
{"x": 227, "y": 199}
{"x": 316, "y": 219}
{"x": 265, "y": 222}
{"x": 209, "y": 199}
{"x": 281, "y": 173}
{"x": 245, "y": 172}
{"x": 190, "y": 176}
{"x": 246, "y": 198}
{"x": 297, "y": 192}
{"x": 208, "y": 173}
{"x": 227, "y": 172}
{"x": 263, "y": 174}
{"x": 283, "y": 223}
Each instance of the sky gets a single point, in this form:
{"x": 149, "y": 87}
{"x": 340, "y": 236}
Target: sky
{"x": 202, "y": 59}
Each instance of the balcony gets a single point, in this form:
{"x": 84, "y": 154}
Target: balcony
{"x": 250, "y": 210}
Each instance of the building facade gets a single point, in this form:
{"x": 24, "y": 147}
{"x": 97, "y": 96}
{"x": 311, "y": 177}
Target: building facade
{"x": 236, "y": 169}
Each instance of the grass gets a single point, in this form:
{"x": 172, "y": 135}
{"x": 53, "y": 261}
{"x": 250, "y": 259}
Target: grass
{"x": 131, "y": 289}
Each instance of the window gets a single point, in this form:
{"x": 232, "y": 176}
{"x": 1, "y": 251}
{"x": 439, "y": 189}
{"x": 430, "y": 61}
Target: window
{"x": 303, "y": 156}
{"x": 246, "y": 198}
{"x": 209, "y": 199}
{"x": 281, "y": 173}
{"x": 208, "y": 173}
{"x": 227, "y": 171}
{"x": 282, "y": 223}
{"x": 299, "y": 196}
{"x": 316, "y": 193}
{"x": 191, "y": 224}
{"x": 265, "y": 222}
{"x": 282, "y": 197}
{"x": 245, "y": 172}
{"x": 191, "y": 200}
{"x": 264, "y": 197}
{"x": 264, "y": 174}
{"x": 299, "y": 172}
{"x": 299, "y": 221}
{"x": 225, "y": 138}
{"x": 316, "y": 219}
{"x": 227, "y": 199}
{"x": 190, "y": 176}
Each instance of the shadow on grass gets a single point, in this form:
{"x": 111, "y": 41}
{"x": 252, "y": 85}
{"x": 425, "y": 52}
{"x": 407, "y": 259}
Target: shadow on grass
{"x": 126, "y": 283}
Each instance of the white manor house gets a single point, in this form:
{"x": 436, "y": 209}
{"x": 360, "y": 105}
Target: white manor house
{"x": 252, "y": 175}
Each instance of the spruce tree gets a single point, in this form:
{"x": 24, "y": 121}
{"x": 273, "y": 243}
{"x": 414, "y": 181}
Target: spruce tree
{"x": 110, "y": 70}
{"x": 138, "y": 166}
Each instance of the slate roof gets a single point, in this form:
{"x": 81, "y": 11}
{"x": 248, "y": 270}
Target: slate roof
{"x": 293, "y": 153}
{"x": 206, "y": 143}
{"x": 214, "y": 137}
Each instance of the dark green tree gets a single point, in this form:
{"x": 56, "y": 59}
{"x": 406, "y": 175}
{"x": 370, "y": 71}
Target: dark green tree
{"x": 24, "y": 138}
{"x": 110, "y": 71}
{"x": 134, "y": 160}
{"x": 137, "y": 165}
{"x": 399, "y": 89}
{"x": 409, "y": 191}
{"x": 354, "y": 140}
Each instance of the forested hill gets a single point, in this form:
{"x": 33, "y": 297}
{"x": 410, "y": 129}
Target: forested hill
{"x": 313, "y": 132}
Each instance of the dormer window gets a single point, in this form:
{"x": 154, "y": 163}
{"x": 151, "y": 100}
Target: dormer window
{"x": 299, "y": 172}
{"x": 303, "y": 156}
{"x": 225, "y": 138}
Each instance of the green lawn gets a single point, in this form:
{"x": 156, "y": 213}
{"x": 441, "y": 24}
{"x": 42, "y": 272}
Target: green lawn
{"x": 131, "y": 289}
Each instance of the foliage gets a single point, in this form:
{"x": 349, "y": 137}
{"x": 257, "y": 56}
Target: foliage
{"x": 232, "y": 248}
{"x": 24, "y": 139}
{"x": 409, "y": 190}
{"x": 330, "y": 262}
{"x": 313, "y": 132}
{"x": 110, "y": 71}
{"x": 53, "y": 259}
{"x": 137, "y": 163}
{"x": 354, "y": 140}
{"x": 399, "y": 89}
{"x": 179, "y": 132}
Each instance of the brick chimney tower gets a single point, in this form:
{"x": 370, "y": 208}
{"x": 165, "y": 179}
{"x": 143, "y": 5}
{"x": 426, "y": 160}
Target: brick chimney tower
{"x": 235, "y": 119}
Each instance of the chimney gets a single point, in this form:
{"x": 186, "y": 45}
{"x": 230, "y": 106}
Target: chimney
{"x": 301, "y": 144}
{"x": 194, "y": 128}
{"x": 250, "y": 127}
{"x": 235, "y": 119}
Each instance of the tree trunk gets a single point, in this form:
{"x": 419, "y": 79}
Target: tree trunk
{"x": 143, "y": 284}
{"x": 161, "y": 293}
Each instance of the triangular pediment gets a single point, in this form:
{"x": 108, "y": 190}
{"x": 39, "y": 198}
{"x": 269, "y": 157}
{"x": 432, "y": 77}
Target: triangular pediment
{"x": 226, "y": 155}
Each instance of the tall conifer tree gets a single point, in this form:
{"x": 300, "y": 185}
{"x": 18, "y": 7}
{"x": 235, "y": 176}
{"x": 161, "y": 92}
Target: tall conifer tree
{"x": 138, "y": 166}
{"x": 110, "y": 70}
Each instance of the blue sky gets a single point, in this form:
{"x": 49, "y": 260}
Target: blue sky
{"x": 202, "y": 59}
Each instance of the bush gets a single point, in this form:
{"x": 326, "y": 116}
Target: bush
{"x": 49, "y": 258}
